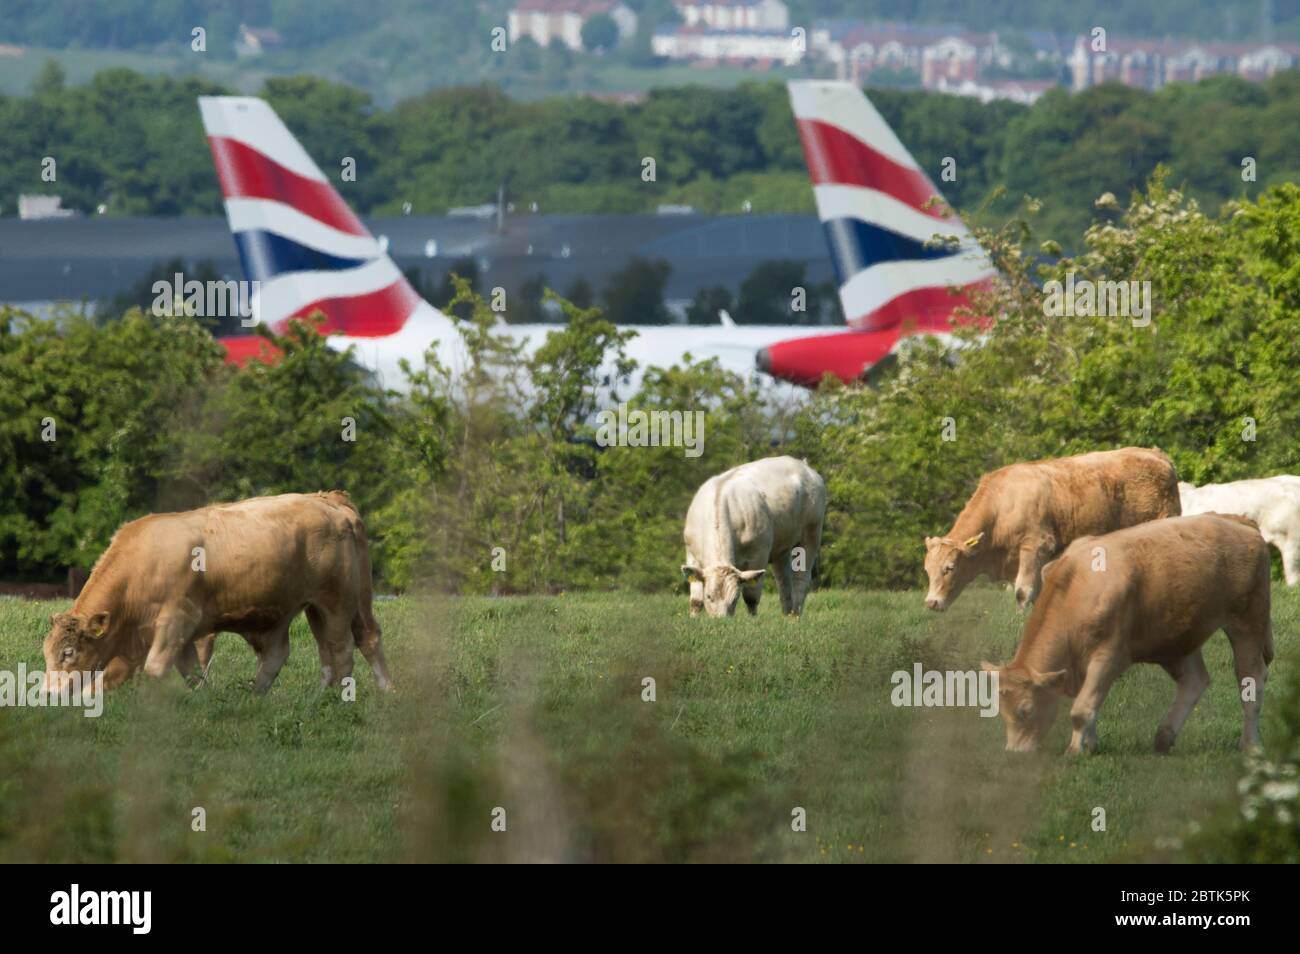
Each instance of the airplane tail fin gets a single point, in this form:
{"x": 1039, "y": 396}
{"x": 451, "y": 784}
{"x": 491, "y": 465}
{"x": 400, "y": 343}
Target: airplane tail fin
{"x": 882, "y": 214}
{"x": 296, "y": 236}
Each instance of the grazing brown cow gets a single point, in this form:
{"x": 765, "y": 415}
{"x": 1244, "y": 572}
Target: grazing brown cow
{"x": 1022, "y": 516}
{"x": 171, "y": 580}
{"x": 1153, "y": 593}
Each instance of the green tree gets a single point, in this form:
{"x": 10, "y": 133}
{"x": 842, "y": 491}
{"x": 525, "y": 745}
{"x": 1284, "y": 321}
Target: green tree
{"x": 600, "y": 32}
{"x": 771, "y": 293}
{"x": 463, "y": 269}
{"x": 526, "y": 305}
{"x": 580, "y": 293}
{"x": 50, "y": 81}
{"x": 706, "y": 304}
{"x": 634, "y": 295}
{"x": 88, "y": 416}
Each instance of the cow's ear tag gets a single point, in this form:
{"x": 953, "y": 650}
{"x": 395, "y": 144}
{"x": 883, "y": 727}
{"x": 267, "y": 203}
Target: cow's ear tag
{"x": 973, "y": 542}
{"x": 99, "y": 625}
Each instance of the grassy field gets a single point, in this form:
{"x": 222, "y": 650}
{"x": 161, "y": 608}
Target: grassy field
{"x": 534, "y": 705}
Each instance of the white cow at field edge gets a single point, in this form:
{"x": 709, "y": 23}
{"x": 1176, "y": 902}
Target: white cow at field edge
{"x": 1272, "y": 502}
{"x": 766, "y": 511}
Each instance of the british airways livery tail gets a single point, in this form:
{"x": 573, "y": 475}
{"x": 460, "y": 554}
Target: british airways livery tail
{"x": 301, "y": 242}
{"x": 297, "y": 237}
{"x": 882, "y": 217}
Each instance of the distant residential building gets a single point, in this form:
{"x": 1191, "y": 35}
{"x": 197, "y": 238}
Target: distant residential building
{"x": 762, "y": 48}
{"x": 944, "y": 53}
{"x": 546, "y": 20}
{"x": 1151, "y": 64}
{"x": 1016, "y": 90}
{"x": 952, "y": 59}
{"x": 1263, "y": 62}
{"x": 734, "y": 15}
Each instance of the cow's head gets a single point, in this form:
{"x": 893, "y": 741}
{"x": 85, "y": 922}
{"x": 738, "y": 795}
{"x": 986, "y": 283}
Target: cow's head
{"x": 950, "y": 566}
{"x": 1027, "y": 702}
{"x": 716, "y": 589}
{"x": 75, "y": 644}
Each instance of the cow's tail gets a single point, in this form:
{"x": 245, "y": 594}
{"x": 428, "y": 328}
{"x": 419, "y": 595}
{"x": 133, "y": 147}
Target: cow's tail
{"x": 1172, "y": 502}
{"x": 366, "y": 592}
{"x": 365, "y": 628}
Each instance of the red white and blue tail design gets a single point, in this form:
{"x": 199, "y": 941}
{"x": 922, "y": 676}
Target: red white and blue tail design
{"x": 881, "y": 214}
{"x": 296, "y": 236}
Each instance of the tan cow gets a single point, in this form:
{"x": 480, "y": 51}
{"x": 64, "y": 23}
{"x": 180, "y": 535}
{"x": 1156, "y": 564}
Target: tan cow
{"x": 1153, "y": 593}
{"x": 766, "y": 511}
{"x": 171, "y": 580}
{"x": 1022, "y": 516}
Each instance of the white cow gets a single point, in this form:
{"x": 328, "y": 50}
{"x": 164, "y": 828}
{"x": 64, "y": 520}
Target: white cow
{"x": 1272, "y": 502}
{"x": 766, "y": 511}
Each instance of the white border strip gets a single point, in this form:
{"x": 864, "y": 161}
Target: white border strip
{"x": 877, "y": 208}
{"x": 285, "y": 294}
{"x": 845, "y": 106}
{"x": 877, "y": 286}
{"x": 284, "y": 220}
{"x": 253, "y": 122}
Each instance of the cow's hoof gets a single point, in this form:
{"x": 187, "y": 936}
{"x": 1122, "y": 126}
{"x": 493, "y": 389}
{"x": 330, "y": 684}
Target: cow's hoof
{"x": 156, "y": 669}
{"x": 1164, "y": 740}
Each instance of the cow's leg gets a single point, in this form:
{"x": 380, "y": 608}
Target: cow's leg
{"x": 785, "y": 581}
{"x": 333, "y": 632}
{"x": 1249, "y": 639}
{"x": 752, "y": 592}
{"x": 204, "y": 647}
{"x": 1193, "y": 679}
{"x": 1029, "y": 576}
{"x": 366, "y": 634}
{"x": 194, "y": 658}
{"x": 1102, "y": 672}
{"x": 1290, "y": 550}
{"x": 171, "y": 635}
{"x": 697, "y": 597}
{"x": 810, "y": 545}
{"x": 316, "y": 620}
{"x": 272, "y": 652}
{"x": 117, "y": 672}
{"x": 187, "y": 663}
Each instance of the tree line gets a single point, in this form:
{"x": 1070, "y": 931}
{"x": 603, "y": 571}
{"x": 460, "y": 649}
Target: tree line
{"x": 135, "y": 145}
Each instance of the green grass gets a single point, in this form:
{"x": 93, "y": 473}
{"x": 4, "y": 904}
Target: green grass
{"x": 534, "y": 705}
